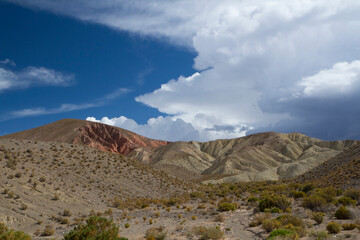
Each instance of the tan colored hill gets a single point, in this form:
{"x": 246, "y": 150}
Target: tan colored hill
{"x": 97, "y": 135}
{"x": 38, "y": 180}
{"x": 258, "y": 157}
{"x": 342, "y": 171}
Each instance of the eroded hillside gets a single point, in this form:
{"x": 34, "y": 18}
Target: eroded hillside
{"x": 38, "y": 180}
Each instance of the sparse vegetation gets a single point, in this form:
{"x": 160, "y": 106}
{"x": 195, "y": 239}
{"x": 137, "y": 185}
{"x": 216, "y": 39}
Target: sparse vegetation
{"x": 333, "y": 227}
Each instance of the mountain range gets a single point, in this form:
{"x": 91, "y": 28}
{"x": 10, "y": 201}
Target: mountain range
{"x": 258, "y": 157}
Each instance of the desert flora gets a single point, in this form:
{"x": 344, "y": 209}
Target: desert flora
{"x": 204, "y": 233}
{"x": 270, "y": 224}
{"x": 346, "y": 201}
{"x": 48, "y": 231}
{"x": 3, "y": 228}
{"x": 95, "y": 228}
{"x": 289, "y": 234}
{"x": 14, "y": 235}
{"x": 298, "y": 194}
{"x": 280, "y": 202}
{"x": 353, "y": 193}
{"x": 259, "y": 218}
{"x": 224, "y": 207}
{"x": 318, "y": 217}
{"x": 333, "y": 227}
{"x": 343, "y": 213}
{"x": 348, "y": 226}
{"x": 156, "y": 233}
{"x": 313, "y": 202}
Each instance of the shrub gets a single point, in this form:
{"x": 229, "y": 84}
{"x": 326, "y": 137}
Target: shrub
{"x": 318, "y": 217}
{"x": 289, "y": 219}
{"x": 342, "y": 213}
{"x": 298, "y": 194}
{"x": 156, "y": 233}
{"x": 349, "y": 226}
{"x": 346, "y": 201}
{"x": 275, "y": 210}
{"x": 333, "y": 227}
{"x": 219, "y": 218}
{"x": 3, "y": 228}
{"x": 126, "y": 225}
{"x": 259, "y": 218}
{"x": 280, "y": 202}
{"x": 66, "y": 213}
{"x": 307, "y": 188}
{"x": 270, "y": 224}
{"x": 353, "y": 193}
{"x": 224, "y": 207}
{"x": 95, "y": 228}
{"x": 14, "y": 235}
{"x": 213, "y": 233}
{"x": 283, "y": 233}
{"x": 320, "y": 235}
{"x": 313, "y": 202}
{"x": 48, "y": 231}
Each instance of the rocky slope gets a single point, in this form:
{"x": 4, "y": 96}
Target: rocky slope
{"x": 96, "y": 135}
{"x": 343, "y": 171}
{"x": 258, "y": 157}
{"x": 38, "y": 180}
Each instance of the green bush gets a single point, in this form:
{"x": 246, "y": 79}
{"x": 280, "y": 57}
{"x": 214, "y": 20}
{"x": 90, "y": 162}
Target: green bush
{"x": 343, "y": 213}
{"x": 156, "y": 233}
{"x": 313, "y": 202}
{"x": 280, "y": 202}
{"x": 275, "y": 210}
{"x": 224, "y": 207}
{"x": 213, "y": 233}
{"x": 270, "y": 224}
{"x": 14, "y": 235}
{"x": 3, "y": 228}
{"x": 283, "y": 233}
{"x": 347, "y": 201}
{"x": 318, "y": 217}
{"x": 349, "y": 226}
{"x": 333, "y": 227}
{"x": 307, "y": 188}
{"x": 289, "y": 219}
{"x": 353, "y": 193}
{"x": 298, "y": 194}
{"x": 95, "y": 228}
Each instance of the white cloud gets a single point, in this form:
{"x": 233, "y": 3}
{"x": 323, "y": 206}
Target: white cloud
{"x": 29, "y": 112}
{"x": 255, "y": 53}
{"x": 8, "y": 61}
{"x": 170, "y": 129}
{"x": 32, "y": 76}
{"x": 342, "y": 79}
{"x": 66, "y": 107}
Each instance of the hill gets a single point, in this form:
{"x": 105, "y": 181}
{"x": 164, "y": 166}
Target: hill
{"x": 38, "y": 180}
{"x": 258, "y": 157}
{"x": 341, "y": 171}
{"x": 96, "y": 135}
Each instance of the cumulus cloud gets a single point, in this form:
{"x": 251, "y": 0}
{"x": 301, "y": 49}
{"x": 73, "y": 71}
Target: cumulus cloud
{"x": 252, "y": 58}
{"x": 32, "y": 76}
{"x": 170, "y": 129}
{"x": 342, "y": 79}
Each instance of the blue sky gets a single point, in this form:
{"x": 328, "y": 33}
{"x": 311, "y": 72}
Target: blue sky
{"x": 183, "y": 70}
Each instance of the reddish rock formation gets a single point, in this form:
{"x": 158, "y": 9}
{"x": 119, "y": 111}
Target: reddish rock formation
{"x": 113, "y": 139}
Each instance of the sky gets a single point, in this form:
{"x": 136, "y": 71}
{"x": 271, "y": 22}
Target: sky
{"x": 183, "y": 70}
